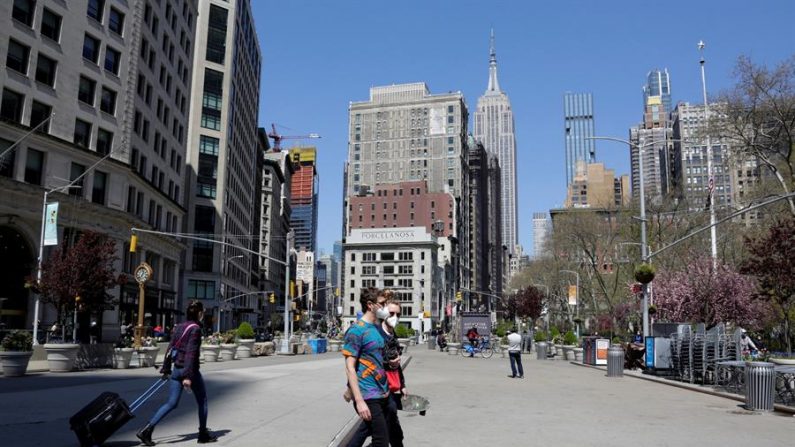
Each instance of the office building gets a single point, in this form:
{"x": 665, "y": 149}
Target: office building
{"x": 223, "y": 146}
{"x": 304, "y": 198}
{"x": 578, "y": 126}
{"x": 94, "y": 79}
{"x": 595, "y": 186}
{"x": 541, "y": 227}
{"x": 494, "y": 127}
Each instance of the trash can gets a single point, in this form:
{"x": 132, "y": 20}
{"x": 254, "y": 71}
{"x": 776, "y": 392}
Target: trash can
{"x": 760, "y": 386}
{"x": 541, "y": 350}
{"x": 615, "y": 361}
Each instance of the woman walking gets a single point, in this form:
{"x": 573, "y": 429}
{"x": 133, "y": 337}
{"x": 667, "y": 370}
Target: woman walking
{"x": 184, "y": 347}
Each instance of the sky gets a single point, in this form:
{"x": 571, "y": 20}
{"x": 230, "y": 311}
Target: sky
{"x": 318, "y": 56}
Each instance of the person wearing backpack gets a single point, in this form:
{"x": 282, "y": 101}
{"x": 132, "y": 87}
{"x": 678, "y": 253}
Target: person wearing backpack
{"x": 184, "y": 352}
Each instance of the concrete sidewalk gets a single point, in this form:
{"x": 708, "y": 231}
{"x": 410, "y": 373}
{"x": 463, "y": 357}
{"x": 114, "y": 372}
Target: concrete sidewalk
{"x": 473, "y": 402}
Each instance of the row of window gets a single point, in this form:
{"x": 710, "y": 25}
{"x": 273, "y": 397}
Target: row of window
{"x": 386, "y": 269}
{"x": 387, "y": 256}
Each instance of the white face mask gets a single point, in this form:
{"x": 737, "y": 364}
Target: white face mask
{"x": 382, "y": 313}
{"x": 392, "y": 321}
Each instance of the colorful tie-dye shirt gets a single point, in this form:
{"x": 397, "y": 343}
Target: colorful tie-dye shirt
{"x": 363, "y": 341}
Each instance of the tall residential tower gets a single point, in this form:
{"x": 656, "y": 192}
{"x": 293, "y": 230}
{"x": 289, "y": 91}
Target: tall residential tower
{"x": 495, "y": 129}
{"x": 578, "y": 124}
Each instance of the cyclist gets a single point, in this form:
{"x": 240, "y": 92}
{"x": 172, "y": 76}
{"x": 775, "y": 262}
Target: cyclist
{"x": 472, "y": 335}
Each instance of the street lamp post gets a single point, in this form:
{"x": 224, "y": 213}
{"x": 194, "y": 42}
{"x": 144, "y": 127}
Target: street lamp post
{"x": 286, "y": 339}
{"x": 711, "y": 185}
{"x": 577, "y": 300}
{"x": 223, "y": 289}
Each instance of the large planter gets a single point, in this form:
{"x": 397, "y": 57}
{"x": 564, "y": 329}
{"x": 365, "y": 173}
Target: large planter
{"x": 568, "y": 352}
{"x": 335, "y": 345}
{"x": 210, "y": 353}
{"x": 503, "y": 351}
{"x": 559, "y": 355}
{"x": 15, "y": 363}
{"x": 244, "y": 348}
{"x": 122, "y": 357}
{"x": 147, "y": 356}
{"x": 452, "y": 348}
{"x": 227, "y": 352}
{"x": 61, "y": 356}
{"x": 578, "y": 354}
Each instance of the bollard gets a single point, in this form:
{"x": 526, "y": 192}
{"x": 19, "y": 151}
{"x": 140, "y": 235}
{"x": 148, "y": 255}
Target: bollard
{"x": 615, "y": 361}
{"x": 760, "y": 386}
{"x": 541, "y": 350}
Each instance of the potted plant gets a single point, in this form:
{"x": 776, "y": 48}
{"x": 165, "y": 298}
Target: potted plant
{"x": 644, "y": 273}
{"x": 16, "y": 353}
{"x": 403, "y": 333}
{"x": 122, "y": 354}
{"x": 211, "y": 348}
{"x": 569, "y": 343}
{"x": 147, "y": 353}
{"x": 245, "y": 340}
{"x": 228, "y": 345}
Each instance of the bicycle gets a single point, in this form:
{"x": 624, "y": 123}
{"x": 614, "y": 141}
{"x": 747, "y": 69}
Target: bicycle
{"x": 483, "y": 348}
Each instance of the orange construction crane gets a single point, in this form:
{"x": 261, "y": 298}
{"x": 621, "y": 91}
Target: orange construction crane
{"x": 277, "y": 138}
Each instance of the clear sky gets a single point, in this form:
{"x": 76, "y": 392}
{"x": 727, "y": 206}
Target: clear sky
{"x": 320, "y": 55}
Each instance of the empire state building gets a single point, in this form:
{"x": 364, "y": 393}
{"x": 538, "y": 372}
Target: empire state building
{"x": 494, "y": 128}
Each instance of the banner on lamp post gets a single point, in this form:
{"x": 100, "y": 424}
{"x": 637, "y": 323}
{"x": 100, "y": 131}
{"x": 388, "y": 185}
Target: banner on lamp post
{"x": 51, "y": 224}
{"x": 572, "y": 295}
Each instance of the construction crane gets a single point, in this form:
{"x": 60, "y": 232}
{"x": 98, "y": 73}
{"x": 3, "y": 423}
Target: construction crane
{"x": 277, "y": 138}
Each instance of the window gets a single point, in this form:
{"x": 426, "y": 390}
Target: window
{"x": 39, "y": 113}
{"x": 90, "y": 49}
{"x": 45, "y": 70}
{"x": 112, "y": 60}
{"x": 205, "y": 219}
{"x": 51, "y": 25}
{"x": 11, "y": 108}
{"x": 201, "y": 290}
{"x": 75, "y": 172}
{"x": 23, "y": 11}
{"x": 211, "y": 101}
{"x": 100, "y": 184}
{"x": 107, "y": 102}
{"x": 86, "y": 90}
{"x": 95, "y": 9}
{"x": 116, "y": 21}
{"x": 216, "y": 34}
{"x": 104, "y": 141}
{"x": 17, "y": 57}
{"x": 208, "y": 145}
{"x": 82, "y": 133}
{"x": 34, "y": 166}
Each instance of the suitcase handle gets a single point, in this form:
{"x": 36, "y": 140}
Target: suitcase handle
{"x": 147, "y": 394}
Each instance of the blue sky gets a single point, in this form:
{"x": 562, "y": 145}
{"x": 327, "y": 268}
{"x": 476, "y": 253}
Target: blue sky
{"x": 320, "y": 55}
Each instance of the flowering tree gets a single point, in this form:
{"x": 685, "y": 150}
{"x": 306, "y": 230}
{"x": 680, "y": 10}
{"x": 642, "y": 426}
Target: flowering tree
{"x": 84, "y": 270}
{"x": 528, "y": 303}
{"x": 772, "y": 261}
{"x": 702, "y": 294}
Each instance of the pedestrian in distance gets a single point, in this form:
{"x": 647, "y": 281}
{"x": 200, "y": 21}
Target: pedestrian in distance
{"x": 364, "y": 367}
{"x": 515, "y": 354}
{"x": 184, "y": 348}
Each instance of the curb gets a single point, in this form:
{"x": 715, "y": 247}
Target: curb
{"x": 686, "y": 386}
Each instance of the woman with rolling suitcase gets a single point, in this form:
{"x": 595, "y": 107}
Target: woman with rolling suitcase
{"x": 183, "y": 351}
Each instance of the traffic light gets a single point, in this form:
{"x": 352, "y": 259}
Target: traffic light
{"x": 458, "y": 296}
{"x": 272, "y": 297}
{"x": 133, "y": 242}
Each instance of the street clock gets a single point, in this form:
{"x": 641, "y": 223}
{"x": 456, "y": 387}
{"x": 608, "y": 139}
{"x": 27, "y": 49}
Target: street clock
{"x": 143, "y": 273}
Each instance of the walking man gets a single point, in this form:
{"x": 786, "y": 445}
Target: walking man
{"x": 364, "y": 367}
{"x": 515, "y": 353}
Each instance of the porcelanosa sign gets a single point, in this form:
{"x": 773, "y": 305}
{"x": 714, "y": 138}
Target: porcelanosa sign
{"x": 410, "y": 234}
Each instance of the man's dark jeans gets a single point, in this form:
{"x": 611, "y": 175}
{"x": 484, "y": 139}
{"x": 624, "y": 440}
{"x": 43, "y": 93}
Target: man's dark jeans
{"x": 383, "y": 414}
{"x": 516, "y": 360}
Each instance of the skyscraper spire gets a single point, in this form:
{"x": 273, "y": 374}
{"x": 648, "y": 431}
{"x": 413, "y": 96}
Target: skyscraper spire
{"x": 494, "y": 85}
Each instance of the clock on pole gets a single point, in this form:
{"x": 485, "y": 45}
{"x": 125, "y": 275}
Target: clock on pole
{"x": 142, "y": 273}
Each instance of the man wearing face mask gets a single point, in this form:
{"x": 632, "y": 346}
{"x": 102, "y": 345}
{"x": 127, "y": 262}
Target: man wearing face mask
{"x": 364, "y": 367}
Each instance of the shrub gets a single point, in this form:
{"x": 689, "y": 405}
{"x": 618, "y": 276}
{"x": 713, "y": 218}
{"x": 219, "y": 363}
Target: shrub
{"x": 403, "y": 331}
{"x": 502, "y": 328}
{"x": 245, "y": 331}
{"x": 125, "y": 342}
{"x": 554, "y": 333}
{"x": 19, "y": 341}
{"x": 540, "y": 336}
{"x": 569, "y": 338}
{"x": 644, "y": 273}
{"x": 229, "y": 336}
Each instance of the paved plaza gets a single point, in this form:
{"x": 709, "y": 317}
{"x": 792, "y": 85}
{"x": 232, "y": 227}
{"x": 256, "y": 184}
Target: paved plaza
{"x": 296, "y": 401}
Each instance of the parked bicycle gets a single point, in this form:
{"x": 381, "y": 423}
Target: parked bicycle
{"x": 483, "y": 348}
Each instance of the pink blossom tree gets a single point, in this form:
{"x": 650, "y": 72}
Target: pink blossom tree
{"x": 702, "y": 294}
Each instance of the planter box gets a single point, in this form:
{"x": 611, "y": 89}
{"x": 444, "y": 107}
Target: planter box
{"x": 122, "y": 357}
{"x": 335, "y": 345}
{"x": 503, "y": 351}
{"x": 452, "y": 348}
{"x": 578, "y": 354}
{"x": 15, "y": 363}
{"x": 147, "y": 355}
{"x": 61, "y": 357}
{"x": 228, "y": 352}
{"x": 568, "y": 352}
{"x": 245, "y": 348}
{"x": 264, "y": 348}
{"x": 210, "y": 353}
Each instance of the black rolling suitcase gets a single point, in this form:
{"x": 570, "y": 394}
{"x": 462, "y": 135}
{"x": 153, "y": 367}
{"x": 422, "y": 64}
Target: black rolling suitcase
{"x": 98, "y": 420}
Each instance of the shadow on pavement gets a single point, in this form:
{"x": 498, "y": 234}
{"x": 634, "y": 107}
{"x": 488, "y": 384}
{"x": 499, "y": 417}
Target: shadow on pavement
{"x": 191, "y": 437}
